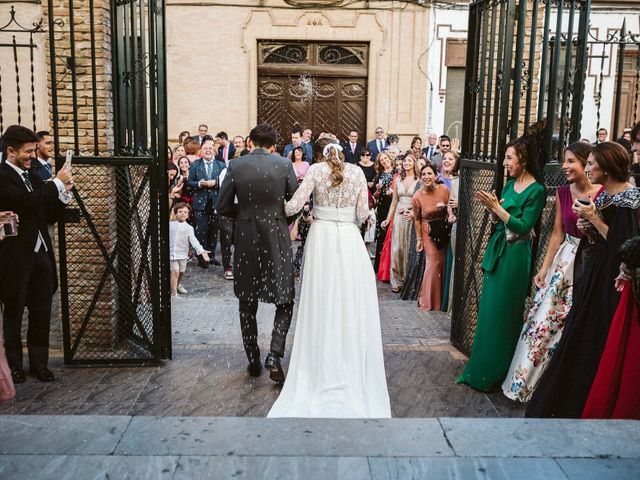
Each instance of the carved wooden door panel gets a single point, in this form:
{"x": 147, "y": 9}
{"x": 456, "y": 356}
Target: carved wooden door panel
{"x": 324, "y": 104}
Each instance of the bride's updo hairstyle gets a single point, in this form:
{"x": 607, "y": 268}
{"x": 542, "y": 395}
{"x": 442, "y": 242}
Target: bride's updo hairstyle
{"x": 333, "y": 157}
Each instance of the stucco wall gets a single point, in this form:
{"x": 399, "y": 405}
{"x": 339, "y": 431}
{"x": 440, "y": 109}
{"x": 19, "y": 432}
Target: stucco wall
{"x": 212, "y": 70}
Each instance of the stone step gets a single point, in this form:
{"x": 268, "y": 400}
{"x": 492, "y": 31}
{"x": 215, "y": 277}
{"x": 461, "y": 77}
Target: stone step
{"x": 232, "y": 447}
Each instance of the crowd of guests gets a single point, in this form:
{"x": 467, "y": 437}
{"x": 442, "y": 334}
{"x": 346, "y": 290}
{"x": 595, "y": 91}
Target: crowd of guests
{"x": 576, "y": 354}
{"x": 408, "y": 234}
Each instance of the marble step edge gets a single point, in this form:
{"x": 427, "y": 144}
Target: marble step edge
{"x": 228, "y": 436}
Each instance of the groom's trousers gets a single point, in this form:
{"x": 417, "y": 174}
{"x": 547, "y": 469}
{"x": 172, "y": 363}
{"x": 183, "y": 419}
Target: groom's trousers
{"x": 249, "y": 326}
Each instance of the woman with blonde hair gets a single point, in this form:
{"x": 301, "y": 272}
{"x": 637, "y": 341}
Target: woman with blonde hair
{"x": 337, "y": 364}
{"x": 382, "y": 194}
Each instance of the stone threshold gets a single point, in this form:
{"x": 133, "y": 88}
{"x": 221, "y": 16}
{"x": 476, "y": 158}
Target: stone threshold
{"x": 232, "y": 447}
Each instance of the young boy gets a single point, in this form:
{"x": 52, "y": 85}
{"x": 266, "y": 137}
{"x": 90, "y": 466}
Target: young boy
{"x": 181, "y": 235}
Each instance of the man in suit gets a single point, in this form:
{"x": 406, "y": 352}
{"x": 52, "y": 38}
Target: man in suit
{"x": 307, "y": 133}
{"x": 378, "y": 144}
{"x": 296, "y": 141}
{"x": 432, "y": 146}
{"x": 445, "y": 146}
{"x": 352, "y": 148}
{"x": 44, "y": 152}
{"x": 27, "y": 262}
{"x": 203, "y": 180}
{"x": 203, "y": 130}
{"x": 227, "y": 149}
{"x": 261, "y": 181}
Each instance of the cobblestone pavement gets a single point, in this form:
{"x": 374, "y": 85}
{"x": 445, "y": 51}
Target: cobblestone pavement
{"x": 207, "y": 376}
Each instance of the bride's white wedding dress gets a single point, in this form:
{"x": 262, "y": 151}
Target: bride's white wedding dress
{"x": 337, "y": 364}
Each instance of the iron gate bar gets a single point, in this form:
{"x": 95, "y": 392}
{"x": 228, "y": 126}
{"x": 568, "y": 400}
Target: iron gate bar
{"x": 519, "y": 60}
{"x": 496, "y": 113}
{"x": 489, "y": 88}
{"x": 510, "y": 19}
{"x": 479, "y": 104}
{"x": 620, "y": 72}
{"x": 581, "y": 70}
{"x": 553, "y": 84}
{"x": 565, "y": 83}
{"x": 15, "y": 62}
{"x": 531, "y": 64}
{"x": 74, "y": 80}
{"x": 159, "y": 105}
{"x": 544, "y": 58}
{"x": 470, "y": 83}
{"x": 92, "y": 30}
{"x": 32, "y": 46}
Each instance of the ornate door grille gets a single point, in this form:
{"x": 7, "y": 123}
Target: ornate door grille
{"x": 313, "y": 85}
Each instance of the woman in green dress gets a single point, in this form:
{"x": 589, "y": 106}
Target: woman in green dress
{"x": 506, "y": 265}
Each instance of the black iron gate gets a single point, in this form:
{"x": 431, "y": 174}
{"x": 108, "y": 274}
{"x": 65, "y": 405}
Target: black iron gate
{"x": 514, "y": 77}
{"x": 108, "y": 106}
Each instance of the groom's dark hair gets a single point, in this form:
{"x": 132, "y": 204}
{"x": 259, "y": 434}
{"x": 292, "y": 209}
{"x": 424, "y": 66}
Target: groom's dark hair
{"x": 263, "y": 135}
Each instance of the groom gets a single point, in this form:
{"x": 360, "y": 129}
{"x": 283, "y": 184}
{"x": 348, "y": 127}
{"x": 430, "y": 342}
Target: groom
{"x": 263, "y": 265}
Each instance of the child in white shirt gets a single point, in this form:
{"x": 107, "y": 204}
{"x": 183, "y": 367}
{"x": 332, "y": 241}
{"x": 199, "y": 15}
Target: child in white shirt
{"x": 181, "y": 236}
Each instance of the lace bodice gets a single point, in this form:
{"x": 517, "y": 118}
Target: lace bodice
{"x": 352, "y": 192}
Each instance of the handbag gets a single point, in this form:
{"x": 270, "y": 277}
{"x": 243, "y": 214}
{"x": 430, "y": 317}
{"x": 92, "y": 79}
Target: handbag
{"x": 440, "y": 232}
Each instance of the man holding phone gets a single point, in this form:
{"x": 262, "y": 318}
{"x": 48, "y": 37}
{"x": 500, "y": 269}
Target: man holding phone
{"x": 27, "y": 262}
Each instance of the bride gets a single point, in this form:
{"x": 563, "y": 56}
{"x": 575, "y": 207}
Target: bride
{"x": 337, "y": 364}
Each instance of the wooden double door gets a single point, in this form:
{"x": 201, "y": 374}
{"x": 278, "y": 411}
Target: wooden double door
{"x": 323, "y": 104}
{"x": 326, "y": 91}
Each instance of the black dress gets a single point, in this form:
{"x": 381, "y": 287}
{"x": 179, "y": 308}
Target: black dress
{"x": 564, "y": 387}
{"x": 415, "y": 266}
{"x": 382, "y": 209}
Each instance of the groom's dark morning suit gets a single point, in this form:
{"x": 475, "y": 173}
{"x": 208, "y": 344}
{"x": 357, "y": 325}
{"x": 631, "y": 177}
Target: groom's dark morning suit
{"x": 28, "y": 277}
{"x": 263, "y": 261}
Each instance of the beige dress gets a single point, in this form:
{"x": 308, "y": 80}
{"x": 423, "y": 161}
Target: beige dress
{"x": 400, "y": 236}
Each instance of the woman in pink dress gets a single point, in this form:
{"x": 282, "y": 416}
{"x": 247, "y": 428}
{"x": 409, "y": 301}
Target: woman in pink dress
{"x": 300, "y": 163}
{"x": 7, "y": 390}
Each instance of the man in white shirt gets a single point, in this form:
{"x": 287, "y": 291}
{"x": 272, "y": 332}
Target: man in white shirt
{"x": 181, "y": 236}
{"x": 44, "y": 150}
{"x": 203, "y": 130}
{"x": 432, "y": 146}
{"x": 378, "y": 144}
{"x": 307, "y": 133}
{"x": 27, "y": 261}
{"x": 352, "y": 148}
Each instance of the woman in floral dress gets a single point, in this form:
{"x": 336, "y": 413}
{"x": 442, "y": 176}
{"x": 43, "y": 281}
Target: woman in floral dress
{"x": 544, "y": 320}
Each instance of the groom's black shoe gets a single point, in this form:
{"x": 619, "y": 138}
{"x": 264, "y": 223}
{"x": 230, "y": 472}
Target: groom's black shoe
{"x": 272, "y": 363}
{"x": 255, "y": 369}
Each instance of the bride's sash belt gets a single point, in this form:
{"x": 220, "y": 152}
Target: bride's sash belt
{"x": 336, "y": 215}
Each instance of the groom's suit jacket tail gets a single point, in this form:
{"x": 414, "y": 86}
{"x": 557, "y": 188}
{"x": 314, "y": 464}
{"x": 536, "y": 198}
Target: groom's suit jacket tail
{"x": 263, "y": 261}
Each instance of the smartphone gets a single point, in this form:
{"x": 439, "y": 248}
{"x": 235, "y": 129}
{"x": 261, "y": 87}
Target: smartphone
{"x": 584, "y": 201}
{"x": 67, "y": 160}
{"x": 9, "y": 226}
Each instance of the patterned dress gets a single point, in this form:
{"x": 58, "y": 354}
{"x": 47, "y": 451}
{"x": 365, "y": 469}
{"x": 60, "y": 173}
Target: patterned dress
{"x": 563, "y": 389}
{"x": 544, "y": 320}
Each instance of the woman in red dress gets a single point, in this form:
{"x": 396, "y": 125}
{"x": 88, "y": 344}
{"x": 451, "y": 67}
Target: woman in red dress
{"x": 615, "y": 392}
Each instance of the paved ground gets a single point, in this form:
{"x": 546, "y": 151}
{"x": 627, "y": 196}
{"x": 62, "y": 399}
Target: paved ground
{"x": 207, "y": 376}
{"x": 79, "y": 447}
